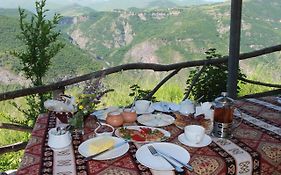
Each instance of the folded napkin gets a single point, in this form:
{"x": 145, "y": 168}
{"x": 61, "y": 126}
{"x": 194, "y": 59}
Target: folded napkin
{"x": 65, "y": 105}
{"x": 205, "y": 108}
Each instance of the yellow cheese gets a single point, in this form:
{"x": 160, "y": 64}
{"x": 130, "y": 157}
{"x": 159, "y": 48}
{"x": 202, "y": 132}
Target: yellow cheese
{"x": 101, "y": 144}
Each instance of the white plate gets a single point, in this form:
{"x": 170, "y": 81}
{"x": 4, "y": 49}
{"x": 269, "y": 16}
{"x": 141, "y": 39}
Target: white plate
{"x": 144, "y": 156}
{"x": 205, "y": 142}
{"x": 166, "y": 106}
{"x": 167, "y": 134}
{"x": 148, "y": 111}
{"x": 156, "y": 120}
{"x": 102, "y": 114}
{"x": 117, "y": 152}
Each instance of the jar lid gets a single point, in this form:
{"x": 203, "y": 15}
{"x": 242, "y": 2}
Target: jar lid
{"x": 223, "y": 100}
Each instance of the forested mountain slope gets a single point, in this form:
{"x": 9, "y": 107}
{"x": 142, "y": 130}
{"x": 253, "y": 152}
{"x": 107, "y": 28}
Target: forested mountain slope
{"x": 165, "y": 36}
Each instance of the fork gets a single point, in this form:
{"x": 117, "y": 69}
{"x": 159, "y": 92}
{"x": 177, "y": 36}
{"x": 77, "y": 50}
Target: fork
{"x": 153, "y": 151}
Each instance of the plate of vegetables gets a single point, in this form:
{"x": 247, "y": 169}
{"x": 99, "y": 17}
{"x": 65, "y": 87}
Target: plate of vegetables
{"x": 142, "y": 134}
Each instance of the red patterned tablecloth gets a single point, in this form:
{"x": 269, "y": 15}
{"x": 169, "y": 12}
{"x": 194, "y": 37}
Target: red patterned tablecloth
{"x": 255, "y": 148}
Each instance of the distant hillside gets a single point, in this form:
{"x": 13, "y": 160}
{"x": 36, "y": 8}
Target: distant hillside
{"x": 69, "y": 62}
{"x": 177, "y": 34}
{"x": 165, "y": 36}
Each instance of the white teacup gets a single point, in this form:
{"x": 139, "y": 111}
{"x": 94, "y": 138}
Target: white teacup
{"x": 142, "y": 105}
{"x": 57, "y": 140}
{"x": 194, "y": 133}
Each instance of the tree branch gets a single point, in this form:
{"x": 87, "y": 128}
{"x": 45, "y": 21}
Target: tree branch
{"x": 148, "y": 96}
{"x": 260, "y": 83}
{"x": 13, "y": 147}
{"x": 262, "y": 94}
{"x": 195, "y": 78}
{"x": 15, "y": 127}
{"x": 142, "y": 66}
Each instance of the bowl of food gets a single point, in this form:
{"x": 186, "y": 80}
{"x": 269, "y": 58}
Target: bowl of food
{"x": 104, "y": 129}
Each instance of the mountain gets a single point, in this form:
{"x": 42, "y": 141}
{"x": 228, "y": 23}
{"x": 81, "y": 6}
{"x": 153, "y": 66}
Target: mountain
{"x": 177, "y": 34}
{"x": 69, "y": 62}
{"x": 165, "y": 36}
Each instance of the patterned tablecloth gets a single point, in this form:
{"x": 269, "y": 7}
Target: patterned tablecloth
{"x": 255, "y": 148}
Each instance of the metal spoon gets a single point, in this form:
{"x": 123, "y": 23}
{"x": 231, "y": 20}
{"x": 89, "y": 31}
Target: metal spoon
{"x": 133, "y": 104}
{"x": 58, "y": 129}
{"x": 67, "y": 128}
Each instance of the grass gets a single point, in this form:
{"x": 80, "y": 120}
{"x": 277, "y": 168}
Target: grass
{"x": 10, "y": 160}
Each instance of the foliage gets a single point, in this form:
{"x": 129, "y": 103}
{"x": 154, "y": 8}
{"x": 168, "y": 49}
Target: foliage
{"x": 92, "y": 93}
{"x": 41, "y": 45}
{"x": 212, "y": 81}
{"x": 31, "y": 111}
{"x": 139, "y": 93}
{"x": 70, "y": 61}
{"x": 9, "y": 161}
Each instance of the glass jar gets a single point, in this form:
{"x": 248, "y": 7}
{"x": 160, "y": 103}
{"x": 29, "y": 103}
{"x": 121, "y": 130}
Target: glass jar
{"x": 223, "y": 116}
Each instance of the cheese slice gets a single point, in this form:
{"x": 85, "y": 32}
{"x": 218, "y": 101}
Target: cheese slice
{"x": 101, "y": 144}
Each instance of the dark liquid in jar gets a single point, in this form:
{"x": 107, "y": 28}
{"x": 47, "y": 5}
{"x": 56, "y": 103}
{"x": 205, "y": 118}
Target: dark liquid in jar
{"x": 223, "y": 115}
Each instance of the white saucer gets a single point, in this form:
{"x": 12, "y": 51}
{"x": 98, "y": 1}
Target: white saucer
{"x": 206, "y": 141}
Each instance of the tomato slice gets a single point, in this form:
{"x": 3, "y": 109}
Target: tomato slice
{"x": 146, "y": 130}
{"x": 137, "y": 137}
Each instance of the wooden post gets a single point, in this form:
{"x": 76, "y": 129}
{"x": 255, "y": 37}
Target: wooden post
{"x": 234, "y": 47}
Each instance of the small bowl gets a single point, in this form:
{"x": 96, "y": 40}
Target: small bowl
{"x": 58, "y": 141}
{"x": 103, "y": 130}
{"x": 129, "y": 116}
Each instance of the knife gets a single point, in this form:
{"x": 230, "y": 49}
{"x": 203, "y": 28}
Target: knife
{"x": 186, "y": 165}
{"x": 108, "y": 149}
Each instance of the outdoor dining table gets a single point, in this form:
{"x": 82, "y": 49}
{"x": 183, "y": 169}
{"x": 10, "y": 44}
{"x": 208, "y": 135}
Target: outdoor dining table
{"x": 255, "y": 148}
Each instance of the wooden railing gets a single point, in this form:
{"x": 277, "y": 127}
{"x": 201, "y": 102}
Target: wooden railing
{"x": 60, "y": 86}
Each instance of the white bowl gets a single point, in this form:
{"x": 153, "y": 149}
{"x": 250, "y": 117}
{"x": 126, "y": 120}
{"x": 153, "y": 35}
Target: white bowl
{"x": 103, "y": 133}
{"x": 58, "y": 141}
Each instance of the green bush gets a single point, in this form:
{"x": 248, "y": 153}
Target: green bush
{"x": 212, "y": 81}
